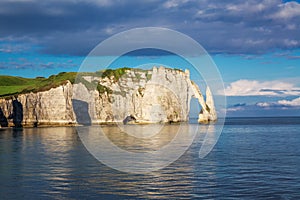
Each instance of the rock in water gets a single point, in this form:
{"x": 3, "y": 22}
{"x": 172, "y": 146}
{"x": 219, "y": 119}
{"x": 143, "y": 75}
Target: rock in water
{"x": 151, "y": 96}
{"x": 208, "y": 112}
{"x": 210, "y": 105}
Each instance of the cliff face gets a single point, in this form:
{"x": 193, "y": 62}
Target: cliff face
{"x": 147, "y": 96}
{"x": 50, "y": 107}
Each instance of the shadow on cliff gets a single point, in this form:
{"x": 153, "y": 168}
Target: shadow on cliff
{"x": 17, "y": 115}
{"x": 3, "y": 119}
{"x": 81, "y": 110}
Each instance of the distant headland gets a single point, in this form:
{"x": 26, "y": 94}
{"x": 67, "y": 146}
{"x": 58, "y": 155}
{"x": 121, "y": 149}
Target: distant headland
{"x": 124, "y": 95}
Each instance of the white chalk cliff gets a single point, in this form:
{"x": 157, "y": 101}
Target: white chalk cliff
{"x": 49, "y": 107}
{"x": 148, "y": 96}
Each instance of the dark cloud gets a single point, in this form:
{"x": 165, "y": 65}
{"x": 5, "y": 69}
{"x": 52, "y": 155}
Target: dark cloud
{"x": 263, "y": 109}
{"x": 76, "y": 26}
{"x": 287, "y": 55}
{"x": 279, "y": 92}
{"x": 23, "y": 63}
{"x": 239, "y": 105}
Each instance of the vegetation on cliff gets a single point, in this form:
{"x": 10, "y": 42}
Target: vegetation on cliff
{"x": 114, "y": 73}
{"x": 102, "y": 89}
{"x": 10, "y": 85}
{"x": 122, "y": 92}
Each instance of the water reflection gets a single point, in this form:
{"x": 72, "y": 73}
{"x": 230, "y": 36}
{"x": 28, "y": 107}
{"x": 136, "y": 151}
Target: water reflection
{"x": 37, "y": 156}
{"x": 211, "y": 137}
{"x": 123, "y": 138}
{"x": 124, "y": 152}
{"x": 52, "y": 163}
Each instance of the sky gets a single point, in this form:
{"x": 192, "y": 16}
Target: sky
{"x": 254, "y": 43}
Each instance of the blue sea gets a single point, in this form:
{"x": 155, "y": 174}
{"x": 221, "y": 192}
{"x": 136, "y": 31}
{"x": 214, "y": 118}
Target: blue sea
{"x": 254, "y": 158}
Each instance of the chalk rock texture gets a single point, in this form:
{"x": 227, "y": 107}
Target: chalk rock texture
{"x": 49, "y": 107}
{"x": 148, "y": 96}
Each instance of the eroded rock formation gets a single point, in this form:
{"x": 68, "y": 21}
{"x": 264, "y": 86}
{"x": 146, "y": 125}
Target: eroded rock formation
{"x": 49, "y": 107}
{"x": 148, "y": 96}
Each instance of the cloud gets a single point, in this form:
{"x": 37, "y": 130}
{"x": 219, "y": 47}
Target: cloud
{"x": 234, "y": 109}
{"x": 287, "y": 10}
{"x": 282, "y": 107}
{"x": 23, "y": 63}
{"x": 76, "y": 26}
{"x": 174, "y": 3}
{"x": 294, "y": 102}
{"x": 237, "y": 107}
{"x": 261, "y": 88}
{"x": 13, "y": 47}
{"x": 287, "y": 55}
{"x": 281, "y": 103}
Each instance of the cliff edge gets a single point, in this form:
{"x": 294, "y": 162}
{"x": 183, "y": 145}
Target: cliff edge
{"x": 112, "y": 96}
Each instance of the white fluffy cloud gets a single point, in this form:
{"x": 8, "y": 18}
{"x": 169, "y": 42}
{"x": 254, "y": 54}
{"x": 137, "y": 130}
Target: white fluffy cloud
{"x": 258, "y": 88}
{"x": 294, "y": 102}
{"x": 281, "y": 103}
{"x": 287, "y": 10}
{"x": 174, "y": 3}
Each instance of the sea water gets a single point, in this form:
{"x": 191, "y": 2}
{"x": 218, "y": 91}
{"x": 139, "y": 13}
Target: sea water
{"x": 254, "y": 158}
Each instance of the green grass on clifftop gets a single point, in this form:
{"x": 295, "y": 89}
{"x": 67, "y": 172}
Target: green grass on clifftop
{"x": 10, "y": 85}
{"x": 115, "y": 73}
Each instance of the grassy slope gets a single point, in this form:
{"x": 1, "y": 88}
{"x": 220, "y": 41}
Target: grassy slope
{"x": 10, "y": 85}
